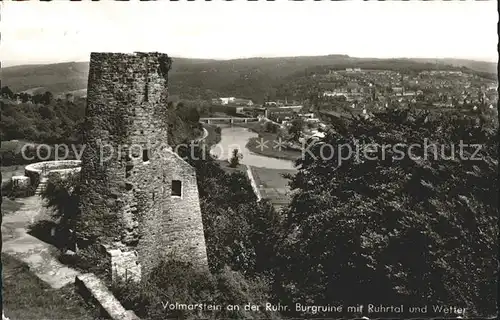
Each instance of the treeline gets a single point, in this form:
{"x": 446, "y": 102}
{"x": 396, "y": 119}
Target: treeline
{"x": 254, "y": 78}
{"x": 41, "y": 119}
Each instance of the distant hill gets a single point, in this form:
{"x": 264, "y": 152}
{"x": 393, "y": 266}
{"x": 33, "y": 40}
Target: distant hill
{"x": 480, "y": 66}
{"x": 204, "y": 78}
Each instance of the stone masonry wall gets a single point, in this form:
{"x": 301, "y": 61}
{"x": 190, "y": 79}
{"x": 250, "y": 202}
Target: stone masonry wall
{"x": 128, "y": 167}
{"x": 177, "y": 233}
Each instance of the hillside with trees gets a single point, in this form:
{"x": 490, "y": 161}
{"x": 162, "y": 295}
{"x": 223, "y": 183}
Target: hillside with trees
{"x": 253, "y": 78}
{"x": 43, "y": 119}
{"x": 395, "y": 228}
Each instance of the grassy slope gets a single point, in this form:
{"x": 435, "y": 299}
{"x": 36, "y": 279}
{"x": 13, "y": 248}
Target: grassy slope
{"x": 242, "y": 77}
{"x": 27, "y": 297}
{"x": 272, "y": 184}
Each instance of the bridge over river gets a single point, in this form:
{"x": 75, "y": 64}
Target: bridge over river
{"x": 230, "y": 120}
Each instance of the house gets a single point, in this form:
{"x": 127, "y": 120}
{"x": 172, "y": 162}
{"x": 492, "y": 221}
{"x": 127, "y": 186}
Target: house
{"x": 309, "y": 115}
{"x": 240, "y": 110}
{"x": 279, "y": 114}
{"x": 292, "y": 108}
{"x": 227, "y": 100}
{"x": 318, "y": 134}
{"x": 311, "y": 120}
{"x": 335, "y": 94}
{"x": 397, "y": 90}
{"x": 271, "y": 103}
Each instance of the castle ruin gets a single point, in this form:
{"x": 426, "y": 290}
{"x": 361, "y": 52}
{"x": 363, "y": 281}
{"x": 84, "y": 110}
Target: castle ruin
{"x": 139, "y": 199}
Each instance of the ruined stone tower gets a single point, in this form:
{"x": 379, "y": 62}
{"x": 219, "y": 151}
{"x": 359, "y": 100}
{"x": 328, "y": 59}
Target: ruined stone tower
{"x": 139, "y": 199}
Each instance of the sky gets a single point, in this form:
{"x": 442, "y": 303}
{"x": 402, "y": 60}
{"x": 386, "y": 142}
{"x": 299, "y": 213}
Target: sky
{"x": 61, "y": 31}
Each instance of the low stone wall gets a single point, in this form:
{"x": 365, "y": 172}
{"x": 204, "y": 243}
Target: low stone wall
{"x": 42, "y": 170}
{"x": 20, "y": 183}
{"x": 92, "y": 289}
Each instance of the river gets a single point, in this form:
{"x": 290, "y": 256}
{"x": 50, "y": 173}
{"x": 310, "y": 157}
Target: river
{"x": 237, "y": 138}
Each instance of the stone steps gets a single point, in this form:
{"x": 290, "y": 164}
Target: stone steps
{"x": 41, "y": 186}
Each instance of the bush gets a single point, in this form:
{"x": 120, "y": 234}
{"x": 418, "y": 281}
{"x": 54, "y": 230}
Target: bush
{"x": 235, "y": 159}
{"x": 90, "y": 259}
{"x": 271, "y": 127}
{"x": 63, "y": 195}
{"x": 176, "y": 282}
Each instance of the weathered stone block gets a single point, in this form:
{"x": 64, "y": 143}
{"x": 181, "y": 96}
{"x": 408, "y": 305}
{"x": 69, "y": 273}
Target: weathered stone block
{"x": 21, "y": 183}
{"x": 92, "y": 289}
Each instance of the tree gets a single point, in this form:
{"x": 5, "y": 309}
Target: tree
{"x": 271, "y": 127}
{"x": 296, "y": 129}
{"x": 7, "y": 93}
{"x": 47, "y": 98}
{"x": 394, "y": 231}
{"x": 63, "y": 195}
{"x": 25, "y": 97}
{"x": 235, "y": 159}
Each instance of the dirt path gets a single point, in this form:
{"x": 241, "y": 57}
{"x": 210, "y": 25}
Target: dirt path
{"x": 38, "y": 255}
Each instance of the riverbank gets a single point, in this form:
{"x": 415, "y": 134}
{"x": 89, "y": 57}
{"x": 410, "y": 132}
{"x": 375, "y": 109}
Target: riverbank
{"x": 267, "y": 173}
{"x": 213, "y": 136}
{"x": 266, "y": 143}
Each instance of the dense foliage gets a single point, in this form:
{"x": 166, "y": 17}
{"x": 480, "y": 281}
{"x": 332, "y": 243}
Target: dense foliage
{"x": 56, "y": 122}
{"x": 255, "y": 78}
{"x": 233, "y": 220}
{"x": 394, "y": 229}
{"x": 63, "y": 196}
{"x": 174, "y": 282}
{"x": 52, "y": 122}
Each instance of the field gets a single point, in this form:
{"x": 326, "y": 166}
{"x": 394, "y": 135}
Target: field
{"x": 273, "y": 185}
{"x": 285, "y": 154}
